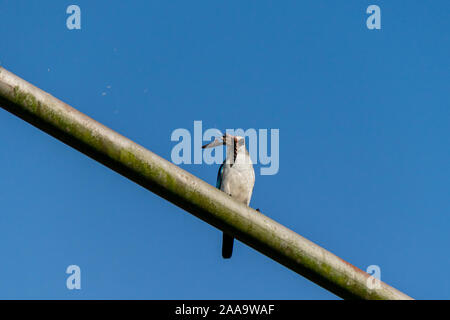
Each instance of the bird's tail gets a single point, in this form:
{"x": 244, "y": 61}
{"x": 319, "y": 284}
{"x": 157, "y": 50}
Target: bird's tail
{"x": 227, "y": 246}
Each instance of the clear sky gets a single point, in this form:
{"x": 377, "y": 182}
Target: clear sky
{"x": 364, "y": 122}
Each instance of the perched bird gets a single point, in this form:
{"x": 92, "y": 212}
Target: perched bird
{"x": 236, "y": 177}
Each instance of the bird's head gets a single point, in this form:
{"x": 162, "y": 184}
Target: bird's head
{"x": 227, "y": 139}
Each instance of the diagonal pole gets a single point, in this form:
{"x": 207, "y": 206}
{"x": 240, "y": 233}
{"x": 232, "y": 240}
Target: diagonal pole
{"x": 187, "y": 191}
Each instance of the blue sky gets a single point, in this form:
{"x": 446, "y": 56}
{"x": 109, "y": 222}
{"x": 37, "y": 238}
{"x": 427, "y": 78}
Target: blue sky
{"x": 364, "y": 133}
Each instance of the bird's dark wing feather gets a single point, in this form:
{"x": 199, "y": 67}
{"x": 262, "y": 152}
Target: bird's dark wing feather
{"x": 219, "y": 177}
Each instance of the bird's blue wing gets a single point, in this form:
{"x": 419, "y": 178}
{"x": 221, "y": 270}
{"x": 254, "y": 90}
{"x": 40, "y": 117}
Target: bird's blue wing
{"x": 219, "y": 177}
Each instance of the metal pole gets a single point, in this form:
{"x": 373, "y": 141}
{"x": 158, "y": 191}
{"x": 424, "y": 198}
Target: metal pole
{"x": 187, "y": 191}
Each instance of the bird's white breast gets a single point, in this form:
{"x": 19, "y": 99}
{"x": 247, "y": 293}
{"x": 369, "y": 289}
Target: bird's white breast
{"x": 239, "y": 178}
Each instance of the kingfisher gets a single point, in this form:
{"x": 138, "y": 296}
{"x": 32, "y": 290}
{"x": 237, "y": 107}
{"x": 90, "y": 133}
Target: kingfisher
{"x": 236, "y": 177}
